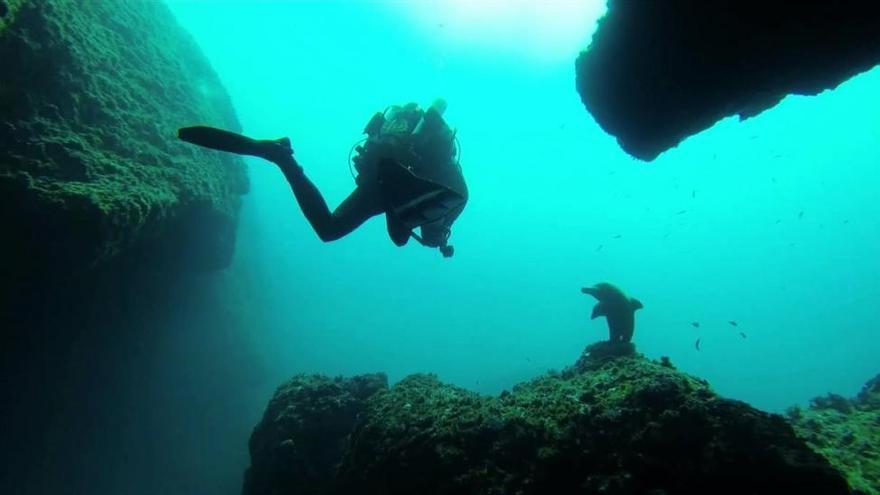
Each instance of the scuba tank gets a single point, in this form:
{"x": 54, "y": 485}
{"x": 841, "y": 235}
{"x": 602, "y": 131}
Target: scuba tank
{"x": 372, "y": 130}
{"x": 432, "y": 119}
{"x": 423, "y": 132}
{"x": 423, "y": 148}
{"x": 391, "y": 130}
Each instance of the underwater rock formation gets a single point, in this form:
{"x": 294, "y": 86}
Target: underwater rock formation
{"x": 300, "y": 440}
{"x": 847, "y": 433}
{"x": 615, "y": 423}
{"x": 657, "y": 72}
{"x": 109, "y": 224}
{"x": 91, "y": 96}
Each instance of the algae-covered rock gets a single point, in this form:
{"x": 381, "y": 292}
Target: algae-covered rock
{"x": 615, "y": 424}
{"x": 91, "y": 95}
{"x": 299, "y": 443}
{"x": 847, "y": 433}
{"x": 869, "y": 396}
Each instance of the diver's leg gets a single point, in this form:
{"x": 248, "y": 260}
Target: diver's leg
{"x": 360, "y": 205}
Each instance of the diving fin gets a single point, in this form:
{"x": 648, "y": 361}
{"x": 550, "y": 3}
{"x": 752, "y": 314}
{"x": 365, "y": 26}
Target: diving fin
{"x": 217, "y": 139}
{"x": 231, "y": 142}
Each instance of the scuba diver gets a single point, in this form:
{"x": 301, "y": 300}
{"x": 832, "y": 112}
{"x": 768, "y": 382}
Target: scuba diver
{"x": 407, "y": 168}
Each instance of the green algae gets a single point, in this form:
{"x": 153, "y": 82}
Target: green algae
{"x": 847, "y": 433}
{"x": 616, "y": 424}
{"x": 12, "y": 6}
{"x": 94, "y": 164}
{"x": 299, "y": 442}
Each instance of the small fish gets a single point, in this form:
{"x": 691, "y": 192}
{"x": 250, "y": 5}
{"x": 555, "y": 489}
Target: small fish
{"x": 618, "y": 236}
{"x": 697, "y": 344}
{"x": 732, "y": 322}
{"x": 845, "y": 222}
{"x": 778, "y": 221}
{"x": 695, "y": 324}
{"x": 693, "y": 193}
{"x": 801, "y": 215}
{"x": 681, "y": 212}
{"x": 741, "y": 334}
{"x": 599, "y": 248}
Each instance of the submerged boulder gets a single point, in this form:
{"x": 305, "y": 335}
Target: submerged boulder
{"x": 847, "y": 433}
{"x": 91, "y": 95}
{"x": 298, "y": 445}
{"x": 657, "y": 72}
{"x": 616, "y": 423}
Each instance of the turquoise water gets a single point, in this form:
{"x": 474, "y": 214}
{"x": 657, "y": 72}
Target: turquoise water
{"x": 771, "y": 222}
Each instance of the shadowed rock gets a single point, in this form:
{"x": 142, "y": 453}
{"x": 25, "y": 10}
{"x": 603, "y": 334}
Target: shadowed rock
{"x": 659, "y": 71}
{"x": 109, "y": 224}
{"x": 299, "y": 444}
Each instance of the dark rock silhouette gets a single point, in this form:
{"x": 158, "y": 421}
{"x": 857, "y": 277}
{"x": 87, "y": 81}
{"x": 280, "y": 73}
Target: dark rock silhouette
{"x": 657, "y": 72}
{"x": 615, "y": 423}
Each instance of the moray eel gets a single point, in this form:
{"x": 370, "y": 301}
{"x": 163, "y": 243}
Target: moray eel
{"x": 617, "y": 308}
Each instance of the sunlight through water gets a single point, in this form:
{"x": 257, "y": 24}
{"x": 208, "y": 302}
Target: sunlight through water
{"x": 543, "y": 30}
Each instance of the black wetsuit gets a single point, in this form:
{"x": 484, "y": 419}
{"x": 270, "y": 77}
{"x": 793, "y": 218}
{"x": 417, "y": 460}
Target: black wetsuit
{"x": 366, "y": 201}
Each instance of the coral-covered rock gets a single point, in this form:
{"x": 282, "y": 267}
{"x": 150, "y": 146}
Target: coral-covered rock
{"x": 617, "y": 424}
{"x": 847, "y": 433}
{"x": 298, "y": 445}
{"x": 659, "y": 71}
{"x": 91, "y": 95}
